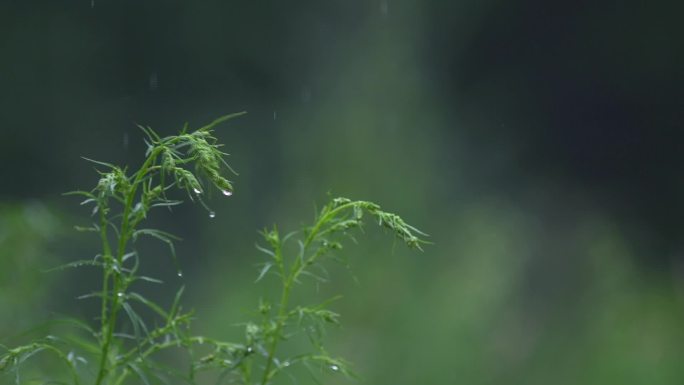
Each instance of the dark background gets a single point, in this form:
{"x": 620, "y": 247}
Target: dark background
{"x": 539, "y": 143}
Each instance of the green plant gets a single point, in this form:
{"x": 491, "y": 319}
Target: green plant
{"x": 121, "y": 201}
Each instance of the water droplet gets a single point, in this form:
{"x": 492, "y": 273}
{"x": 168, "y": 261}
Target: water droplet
{"x": 180, "y": 273}
{"x": 212, "y": 214}
{"x": 286, "y": 363}
{"x": 334, "y": 368}
{"x": 275, "y": 115}
{"x": 119, "y": 294}
{"x": 200, "y": 340}
{"x": 197, "y": 191}
{"x": 227, "y": 192}
{"x": 249, "y": 349}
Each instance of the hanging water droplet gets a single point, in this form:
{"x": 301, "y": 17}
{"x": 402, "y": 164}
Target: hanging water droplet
{"x": 227, "y": 192}
{"x": 212, "y": 214}
{"x": 196, "y": 190}
{"x": 249, "y": 349}
{"x": 180, "y": 273}
{"x": 119, "y": 294}
{"x": 334, "y": 368}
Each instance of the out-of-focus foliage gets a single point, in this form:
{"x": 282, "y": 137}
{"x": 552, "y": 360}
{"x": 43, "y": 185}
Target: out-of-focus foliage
{"x": 29, "y": 233}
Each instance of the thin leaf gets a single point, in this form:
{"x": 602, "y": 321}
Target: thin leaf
{"x": 156, "y": 308}
{"x": 74, "y": 264}
{"x": 100, "y": 163}
{"x": 139, "y": 372}
{"x": 264, "y": 270}
{"x": 135, "y": 319}
{"x": 220, "y": 120}
{"x": 149, "y": 279}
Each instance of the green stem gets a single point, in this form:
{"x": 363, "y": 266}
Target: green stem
{"x": 282, "y": 314}
{"x": 323, "y": 220}
{"x": 295, "y": 271}
{"x": 107, "y": 260}
{"x": 121, "y": 250}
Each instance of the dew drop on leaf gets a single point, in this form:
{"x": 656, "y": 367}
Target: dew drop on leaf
{"x": 334, "y": 368}
{"x": 227, "y": 192}
{"x": 212, "y": 214}
{"x": 119, "y": 294}
{"x": 197, "y": 191}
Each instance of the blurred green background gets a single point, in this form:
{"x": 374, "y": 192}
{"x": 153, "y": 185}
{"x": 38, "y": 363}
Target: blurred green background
{"x": 538, "y": 143}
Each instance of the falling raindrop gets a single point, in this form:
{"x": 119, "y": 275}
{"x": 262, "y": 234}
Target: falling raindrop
{"x": 384, "y": 8}
{"x": 92, "y": 3}
{"x": 275, "y": 115}
{"x": 154, "y": 81}
{"x": 212, "y": 214}
{"x": 227, "y": 192}
{"x": 196, "y": 190}
{"x": 305, "y": 94}
{"x": 334, "y": 368}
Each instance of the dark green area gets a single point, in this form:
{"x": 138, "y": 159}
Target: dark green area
{"x": 537, "y": 143}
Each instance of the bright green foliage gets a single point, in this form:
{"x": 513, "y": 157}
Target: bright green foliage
{"x": 107, "y": 354}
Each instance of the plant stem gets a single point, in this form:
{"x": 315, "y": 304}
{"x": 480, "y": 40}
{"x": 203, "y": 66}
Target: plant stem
{"x": 282, "y": 314}
{"x": 295, "y": 270}
{"x": 107, "y": 260}
{"x": 121, "y": 250}
{"x": 323, "y": 220}
{"x": 111, "y": 324}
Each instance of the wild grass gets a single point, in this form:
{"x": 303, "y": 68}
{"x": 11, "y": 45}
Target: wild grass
{"x": 123, "y": 347}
